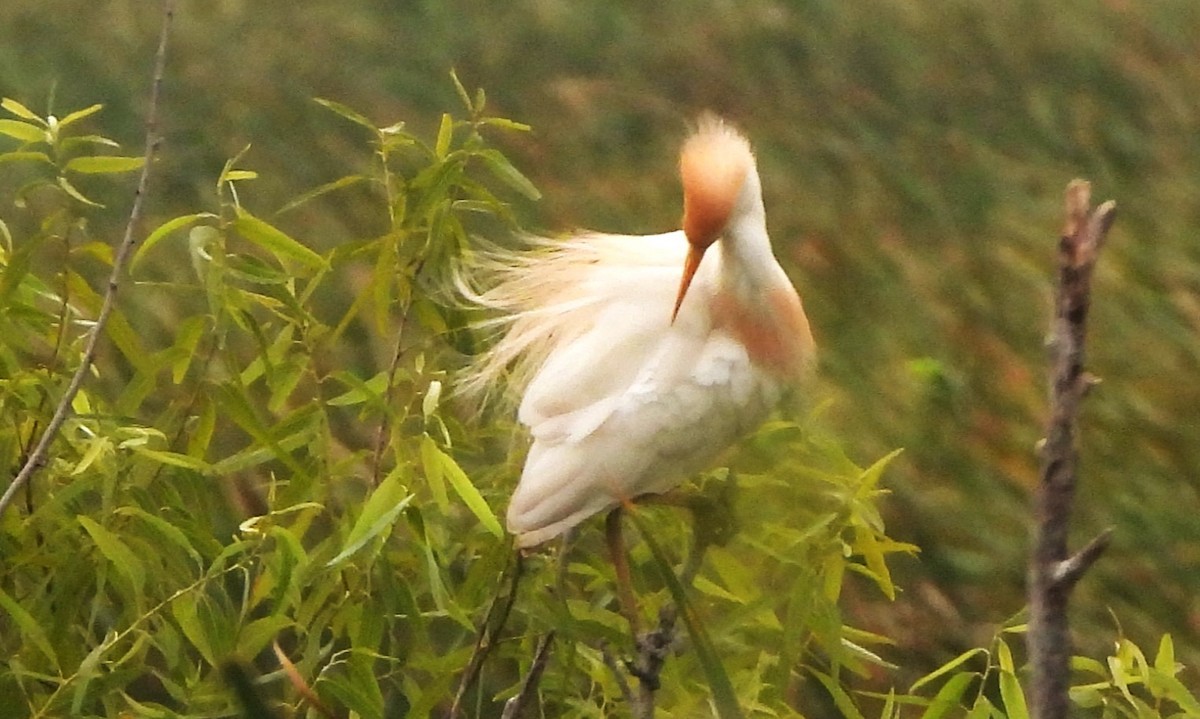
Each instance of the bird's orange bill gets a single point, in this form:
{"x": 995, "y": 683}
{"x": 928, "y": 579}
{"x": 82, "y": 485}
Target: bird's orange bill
{"x": 690, "y": 265}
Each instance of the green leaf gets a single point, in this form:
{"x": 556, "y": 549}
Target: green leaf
{"x": 321, "y": 190}
{"x": 947, "y": 667}
{"x": 78, "y": 115}
{"x": 117, "y": 552}
{"x": 275, "y": 241}
{"x": 346, "y": 112}
{"x": 507, "y": 124}
{"x": 724, "y": 699}
{"x": 256, "y": 635}
{"x": 186, "y": 610}
{"x": 357, "y": 688}
{"x": 444, "y": 136}
{"x": 73, "y": 192}
{"x": 22, "y": 131}
{"x": 29, "y": 626}
{"x": 25, "y": 156}
{"x": 232, "y": 175}
{"x": 509, "y": 175}
{"x": 96, "y": 447}
{"x": 840, "y": 698}
{"x": 1164, "y": 660}
{"x": 360, "y": 392}
{"x": 19, "y": 110}
{"x": 871, "y": 475}
{"x": 378, "y": 513}
{"x": 202, "y": 433}
{"x": 173, "y": 459}
{"x": 462, "y": 91}
{"x": 1010, "y": 688}
{"x": 868, "y": 545}
{"x": 163, "y": 529}
{"x": 104, "y": 164}
{"x": 466, "y": 491}
{"x": 949, "y": 696}
{"x": 432, "y": 466}
{"x": 129, "y": 341}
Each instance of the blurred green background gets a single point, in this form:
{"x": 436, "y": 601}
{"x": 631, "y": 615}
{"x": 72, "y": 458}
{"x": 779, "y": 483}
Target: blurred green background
{"x": 913, "y": 155}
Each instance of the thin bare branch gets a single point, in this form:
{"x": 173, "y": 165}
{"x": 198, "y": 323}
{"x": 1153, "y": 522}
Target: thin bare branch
{"x": 493, "y": 623}
{"x": 37, "y": 457}
{"x": 611, "y": 662}
{"x": 1068, "y": 571}
{"x": 1053, "y": 571}
{"x": 529, "y": 685}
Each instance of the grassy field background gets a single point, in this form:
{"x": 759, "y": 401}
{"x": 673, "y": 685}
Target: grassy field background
{"x": 913, "y": 156}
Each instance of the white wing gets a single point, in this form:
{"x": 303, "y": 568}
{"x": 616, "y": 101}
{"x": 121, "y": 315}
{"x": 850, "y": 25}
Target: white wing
{"x": 633, "y": 405}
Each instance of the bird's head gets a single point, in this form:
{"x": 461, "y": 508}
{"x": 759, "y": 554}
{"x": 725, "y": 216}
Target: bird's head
{"x": 713, "y": 165}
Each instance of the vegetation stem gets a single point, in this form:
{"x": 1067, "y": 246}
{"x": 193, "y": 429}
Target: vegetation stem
{"x": 37, "y": 457}
{"x": 1052, "y": 570}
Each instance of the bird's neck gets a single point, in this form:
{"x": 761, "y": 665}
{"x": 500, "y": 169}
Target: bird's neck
{"x": 748, "y": 265}
{"x": 755, "y": 301}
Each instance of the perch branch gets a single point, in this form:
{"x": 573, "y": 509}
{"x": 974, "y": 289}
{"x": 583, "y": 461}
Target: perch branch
{"x": 513, "y": 707}
{"x": 653, "y": 648}
{"x": 37, "y": 457}
{"x": 1053, "y": 571}
{"x": 493, "y": 623}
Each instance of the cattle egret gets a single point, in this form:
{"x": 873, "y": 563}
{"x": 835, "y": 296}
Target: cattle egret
{"x": 635, "y": 376}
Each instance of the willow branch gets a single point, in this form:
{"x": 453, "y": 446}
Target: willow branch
{"x": 529, "y": 685}
{"x": 37, "y": 458}
{"x": 1053, "y": 570}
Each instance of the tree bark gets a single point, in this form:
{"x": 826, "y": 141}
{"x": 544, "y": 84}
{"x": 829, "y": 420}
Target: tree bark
{"x": 1053, "y": 571}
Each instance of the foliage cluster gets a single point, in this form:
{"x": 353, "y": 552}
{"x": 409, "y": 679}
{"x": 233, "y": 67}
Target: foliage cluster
{"x": 913, "y": 156}
{"x": 237, "y": 500}
{"x": 242, "y": 498}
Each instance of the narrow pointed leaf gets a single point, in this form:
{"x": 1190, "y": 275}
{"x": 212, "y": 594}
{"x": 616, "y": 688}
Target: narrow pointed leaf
{"x": 321, "y": 190}
{"x": 949, "y": 696}
{"x": 468, "y": 493}
{"x": 117, "y": 552}
{"x": 509, "y": 175}
{"x": 22, "y": 131}
{"x": 25, "y": 156}
{"x": 346, "y": 112}
{"x": 18, "y": 109}
{"x": 275, "y": 241}
{"x": 445, "y": 135}
{"x": 724, "y": 699}
{"x": 77, "y": 115}
{"x": 75, "y": 193}
{"x": 29, "y": 626}
{"x": 947, "y": 668}
{"x": 105, "y": 164}
{"x": 378, "y": 513}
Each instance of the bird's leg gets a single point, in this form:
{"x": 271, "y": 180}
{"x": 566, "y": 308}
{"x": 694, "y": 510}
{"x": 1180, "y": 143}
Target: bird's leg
{"x": 620, "y": 560}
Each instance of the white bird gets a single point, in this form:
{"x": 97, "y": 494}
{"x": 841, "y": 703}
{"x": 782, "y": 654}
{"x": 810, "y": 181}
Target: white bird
{"x": 635, "y": 377}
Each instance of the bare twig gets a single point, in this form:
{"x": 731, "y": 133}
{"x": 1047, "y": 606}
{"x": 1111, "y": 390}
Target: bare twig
{"x": 381, "y": 431}
{"x": 653, "y": 648}
{"x": 611, "y": 662}
{"x": 513, "y": 707}
{"x": 493, "y": 624}
{"x": 1053, "y": 571}
{"x": 38, "y": 456}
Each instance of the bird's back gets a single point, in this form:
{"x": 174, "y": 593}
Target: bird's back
{"x": 623, "y": 401}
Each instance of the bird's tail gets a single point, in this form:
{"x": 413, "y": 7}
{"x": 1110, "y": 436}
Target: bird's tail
{"x": 547, "y": 293}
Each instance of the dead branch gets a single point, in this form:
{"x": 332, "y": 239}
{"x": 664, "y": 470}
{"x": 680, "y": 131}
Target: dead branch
{"x": 1053, "y": 570}
{"x": 513, "y": 707}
